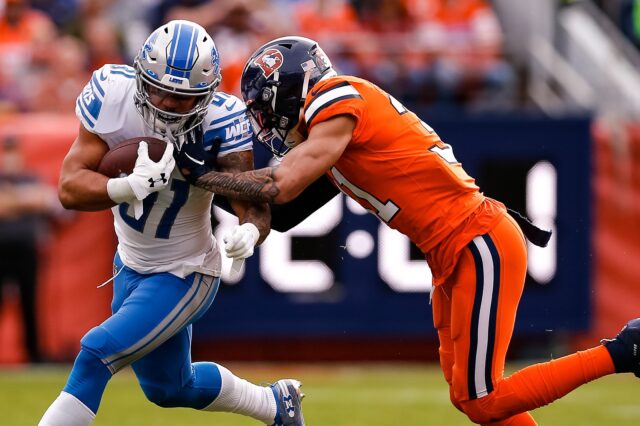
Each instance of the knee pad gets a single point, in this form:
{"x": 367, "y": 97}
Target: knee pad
{"x": 171, "y": 396}
{"x": 162, "y": 396}
{"x": 454, "y": 400}
{"x": 98, "y": 342}
{"x": 481, "y": 411}
{"x": 197, "y": 392}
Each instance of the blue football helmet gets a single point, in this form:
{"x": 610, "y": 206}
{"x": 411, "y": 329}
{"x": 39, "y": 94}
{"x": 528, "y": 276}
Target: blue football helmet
{"x": 179, "y": 58}
{"x": 275, "y": 82}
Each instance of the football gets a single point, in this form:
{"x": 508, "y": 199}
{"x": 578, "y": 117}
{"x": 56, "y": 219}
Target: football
{"x": 120, "y": 160}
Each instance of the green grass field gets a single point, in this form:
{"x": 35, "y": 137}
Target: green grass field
{"x": 337, "y": 395}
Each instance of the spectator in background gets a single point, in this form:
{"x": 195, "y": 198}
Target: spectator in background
{"x": 464, "y": 40}
{"x": 26, "y": 38}
{"x": 100, "y": 33}
{"x": 103, "y": 42}
{"x": 238, "y": 26}
{"x": 114, "y": 29}
{"x": 159, "y": 14}
{"x": 62, "y": 12}
{"x": 25, "y": 203}
{"x": 335, "y": 24}
{"x": 56, "y": 88}
{"x": 389, "y": 58}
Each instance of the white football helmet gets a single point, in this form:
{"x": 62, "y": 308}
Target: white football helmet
{"x": 182, "y": 59}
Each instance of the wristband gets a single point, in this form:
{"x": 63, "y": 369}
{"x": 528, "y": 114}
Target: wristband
{"x": 255, "y": 233}
{"x": 119, "y": 190}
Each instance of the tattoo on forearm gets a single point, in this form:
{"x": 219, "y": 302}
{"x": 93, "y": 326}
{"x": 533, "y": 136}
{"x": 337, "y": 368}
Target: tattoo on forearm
{"x": 255, "y": 185}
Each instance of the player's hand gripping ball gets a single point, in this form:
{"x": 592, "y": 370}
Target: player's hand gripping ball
{"x": 121, "y": 159}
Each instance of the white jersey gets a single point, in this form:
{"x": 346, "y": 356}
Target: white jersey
{"x": 174, "y": 232}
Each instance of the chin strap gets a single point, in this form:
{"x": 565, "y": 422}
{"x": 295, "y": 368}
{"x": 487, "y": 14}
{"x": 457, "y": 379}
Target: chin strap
{"x": 177, "y": 141}
{"x": 535, "y": 235}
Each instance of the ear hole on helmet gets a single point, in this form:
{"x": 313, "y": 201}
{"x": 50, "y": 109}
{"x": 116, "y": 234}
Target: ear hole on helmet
{"x": 266, "y": 94}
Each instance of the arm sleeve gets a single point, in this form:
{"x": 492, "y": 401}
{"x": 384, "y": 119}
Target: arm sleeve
{"x": 286, "y": 216}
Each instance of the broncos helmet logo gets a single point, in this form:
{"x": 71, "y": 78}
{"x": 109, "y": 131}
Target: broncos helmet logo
{"x": 269, "y": 62}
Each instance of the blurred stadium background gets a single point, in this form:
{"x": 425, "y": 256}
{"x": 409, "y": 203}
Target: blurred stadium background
{"x": 541, "y": 100}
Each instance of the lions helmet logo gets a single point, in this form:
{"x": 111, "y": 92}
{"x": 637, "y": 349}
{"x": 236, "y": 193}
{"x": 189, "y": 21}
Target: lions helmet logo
{"x": 148, "y": 46}
{"x": 269, "y": 62}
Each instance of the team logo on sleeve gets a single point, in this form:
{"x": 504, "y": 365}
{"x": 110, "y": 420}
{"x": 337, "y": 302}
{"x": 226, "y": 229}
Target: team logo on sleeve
{"x": 269, "y": 62}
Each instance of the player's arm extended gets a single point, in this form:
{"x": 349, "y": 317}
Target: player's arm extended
{"x": 257, "y": 213}
{"x": 298, "y": 169}
{"x": 288, "y": 215}
{"x": 80, "y": 187}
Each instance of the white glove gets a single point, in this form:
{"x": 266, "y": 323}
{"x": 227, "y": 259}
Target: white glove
{"x": 240, "y": 241}
{"x": 149, "y": 176}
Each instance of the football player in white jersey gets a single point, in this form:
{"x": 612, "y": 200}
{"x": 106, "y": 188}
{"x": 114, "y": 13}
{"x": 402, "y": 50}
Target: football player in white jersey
{"x": 167, "y": 265}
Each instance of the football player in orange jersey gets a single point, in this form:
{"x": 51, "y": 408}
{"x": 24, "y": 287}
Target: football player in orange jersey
{"x": 384, "y": 157}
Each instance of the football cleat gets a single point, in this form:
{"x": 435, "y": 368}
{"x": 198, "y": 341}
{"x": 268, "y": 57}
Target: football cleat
{"x": 625, "y": 348}
{"x": 288, "y": 403}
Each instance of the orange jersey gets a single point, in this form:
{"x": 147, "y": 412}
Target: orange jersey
{"x": 397, "y": 167}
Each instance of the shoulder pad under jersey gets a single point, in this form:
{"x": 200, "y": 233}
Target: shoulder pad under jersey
{"x": 331, "y": 97}
{"x": 102, "y": 105}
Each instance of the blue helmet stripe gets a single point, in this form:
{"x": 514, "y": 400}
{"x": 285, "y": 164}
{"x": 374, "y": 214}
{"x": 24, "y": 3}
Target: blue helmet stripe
{"x": 183, "y": 46}
{"x": 192, "y": 51}
{"x": 173, "y": 52}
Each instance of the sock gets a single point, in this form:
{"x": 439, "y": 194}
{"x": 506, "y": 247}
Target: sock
{"x": 543, "y": 383}
{"x": 239, "y": 396}
{"x": 67, "y": 410}
{"x": 539, "y": 385}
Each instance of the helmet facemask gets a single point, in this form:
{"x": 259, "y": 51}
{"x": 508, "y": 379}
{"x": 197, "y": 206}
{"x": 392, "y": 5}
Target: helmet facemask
{"x": 278, "y": 132}
{"x": 165, "y": 122}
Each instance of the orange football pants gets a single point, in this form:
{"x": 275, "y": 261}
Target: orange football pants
{"x": 474, "y": 311}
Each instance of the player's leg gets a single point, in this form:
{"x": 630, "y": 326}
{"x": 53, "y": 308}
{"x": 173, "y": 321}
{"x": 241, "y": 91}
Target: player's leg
{"x": 169, "y": 379}
{"x": 454, "y": 340}
{"x": 441, "y": 306}
{"x": 499, "y": 260}
{"x": 148, "y": 310}
{"x": 476, "y": 356}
